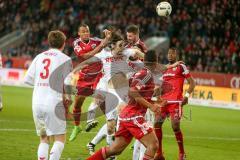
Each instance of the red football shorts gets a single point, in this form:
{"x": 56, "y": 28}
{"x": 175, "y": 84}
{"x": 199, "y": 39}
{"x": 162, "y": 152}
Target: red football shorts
{"x": 136, "y": 127}
{"x": 86, "y": 85}
{"x": 174, "y": 110}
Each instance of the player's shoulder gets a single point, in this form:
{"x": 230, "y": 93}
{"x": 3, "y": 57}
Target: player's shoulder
{"x": 76, "y": 41}
{"x": 141, "y": 45}
{"x": 140, "y": 42}
{"x": 144, "y": 73}
{"x": 63, "y": 56}
{"x": 184, "y": 68}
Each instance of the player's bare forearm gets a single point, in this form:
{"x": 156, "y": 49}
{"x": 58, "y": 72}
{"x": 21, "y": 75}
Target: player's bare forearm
{"x": 192, "y": 85}
{"x": 99, "y": 47}
{"x": 168, "y": 66}
{"x": 84, "y": 63}
{"x": 93, "y": 52}
{"x": 157, "y": 91}
{"x": 139, "y": 99}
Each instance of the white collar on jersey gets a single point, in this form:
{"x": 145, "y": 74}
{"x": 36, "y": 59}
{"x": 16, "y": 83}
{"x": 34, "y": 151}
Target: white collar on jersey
{"x": 54, "y": 50}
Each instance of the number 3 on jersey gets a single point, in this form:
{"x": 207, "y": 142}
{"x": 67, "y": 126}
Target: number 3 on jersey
{"x": 45, "y": 73}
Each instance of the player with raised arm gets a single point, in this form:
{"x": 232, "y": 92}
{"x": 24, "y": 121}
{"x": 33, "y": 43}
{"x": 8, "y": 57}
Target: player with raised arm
{"x": 174, "y": 78}
{"x": 133, "y": 41}
{"x": 132, "y": 122}
{"x": 86, "y": 47}
{"x": 132, "y": 33}
{"x": 46, "y": 74}
{"x": 114, "y": 59}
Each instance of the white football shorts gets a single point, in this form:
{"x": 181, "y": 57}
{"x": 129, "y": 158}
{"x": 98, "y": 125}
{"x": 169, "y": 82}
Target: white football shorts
{"x": 49, "y": 120}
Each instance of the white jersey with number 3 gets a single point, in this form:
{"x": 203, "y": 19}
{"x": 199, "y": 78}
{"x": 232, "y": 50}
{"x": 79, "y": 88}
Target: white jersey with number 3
{"x": 46, "y": 74}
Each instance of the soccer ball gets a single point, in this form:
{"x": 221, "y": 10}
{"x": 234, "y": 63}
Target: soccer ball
{"x": 164, "y": 9}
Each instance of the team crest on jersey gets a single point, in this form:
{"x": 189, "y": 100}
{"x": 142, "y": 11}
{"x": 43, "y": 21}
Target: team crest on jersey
{"x": 93, "y": 45}
{"x": 174, "y": 69}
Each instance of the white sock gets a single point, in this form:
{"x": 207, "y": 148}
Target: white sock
{"x": 56, "y": 150}
{"x": 109, "y": 139}
{"x": 100, "y": 135}
{"x": 136, "y": 150}
{"x": 91, "y": 112}
{"x": 142, "y": 151}
{"x": 43, "y": 151}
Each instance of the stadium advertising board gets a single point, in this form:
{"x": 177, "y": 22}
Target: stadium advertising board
{"x": 203, "y": 95}
{"x": 12, "y": 77}
{"x": 217, "y": 79}
{"x": 215, "y": 97}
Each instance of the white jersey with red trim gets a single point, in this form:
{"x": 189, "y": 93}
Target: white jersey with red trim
{"x": 46, "y": 74}
{"x": 113, "y": 64}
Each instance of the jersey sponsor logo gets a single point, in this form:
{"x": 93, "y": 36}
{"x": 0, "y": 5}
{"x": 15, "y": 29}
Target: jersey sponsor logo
{"x": 168, "y": 74}
{"x": 114, "y": 59}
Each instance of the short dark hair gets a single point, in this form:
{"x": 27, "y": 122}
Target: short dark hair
{"x": 56, "y": 39}
{"x": 83, "y": 25}
{"x": 174, "y": 49}
{"x": 150, "y": 57}
{"x": 133, "y": 29}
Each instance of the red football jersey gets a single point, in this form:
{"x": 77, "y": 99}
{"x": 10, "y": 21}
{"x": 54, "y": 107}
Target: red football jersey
{"x": 81, "y": 48}
{"x": 140, "y": 44}
{"x": 142, "y": 81}
{"x": 173, "y": 79}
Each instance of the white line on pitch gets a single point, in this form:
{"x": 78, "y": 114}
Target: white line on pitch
{"x": 168, "y": 136}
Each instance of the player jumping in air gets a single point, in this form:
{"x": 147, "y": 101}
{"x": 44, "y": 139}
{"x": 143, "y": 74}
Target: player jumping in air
{"x": 134, "y": 42}
{"x": 86, "y": 47}
{"x": 174, "y": 77}
{"x": 114, "y": 59}
{"x": 46, "y": 74}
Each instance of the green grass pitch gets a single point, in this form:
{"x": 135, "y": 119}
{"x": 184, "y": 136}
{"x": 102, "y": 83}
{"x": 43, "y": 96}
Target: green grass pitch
{"x": 209, "y": 133}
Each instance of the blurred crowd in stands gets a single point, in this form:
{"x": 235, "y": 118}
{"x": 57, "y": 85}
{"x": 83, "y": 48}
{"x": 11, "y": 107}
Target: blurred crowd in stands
{"x": 206, "y": 32}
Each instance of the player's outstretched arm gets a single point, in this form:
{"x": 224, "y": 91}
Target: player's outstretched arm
{"x": 141, "y": 100}
{"x": 98, "y": 49}
{"x": 162, "y": 67}
{"x": 84, "y": 63}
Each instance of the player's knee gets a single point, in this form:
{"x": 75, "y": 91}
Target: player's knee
{"x": 44, "y": 139}
{"x": 176, "y": 128}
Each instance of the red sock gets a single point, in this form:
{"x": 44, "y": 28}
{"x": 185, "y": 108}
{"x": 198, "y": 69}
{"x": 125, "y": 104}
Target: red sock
{"x": 99, "y": 155}
{"x": 77, "y": 116}
{"x": 179, "y": 138}
{"x": 158, "y": 132}
{"x": 147, "y": 157}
